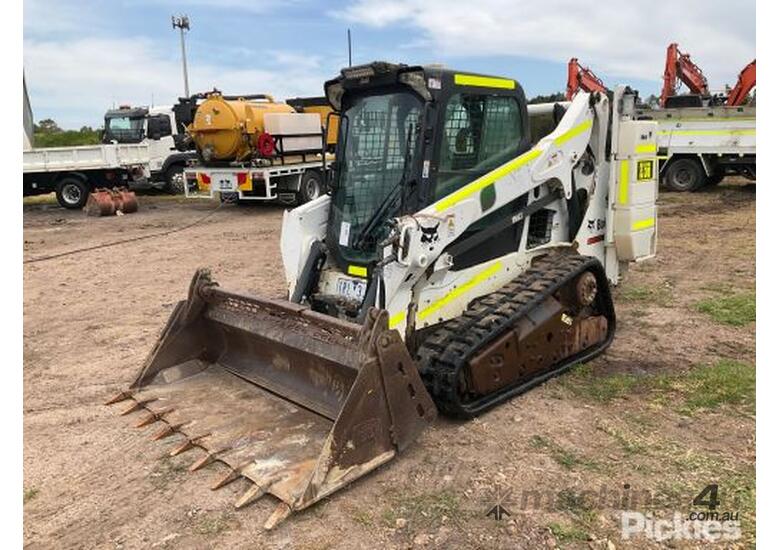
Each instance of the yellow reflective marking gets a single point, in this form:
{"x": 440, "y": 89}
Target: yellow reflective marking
{"x": 573, "y": 132}
{"x": 458, "y": 291}
{"x": 646, "y": 148}
{"x": 623, "y": 188}
{"x": 397, "y": 318}
{"x": 480, "y": 183}
{"x": 357, "y": 270}
{"x": 643, "y": 224}
{"x": 750, "y": 132}
{"x": 247, "y": 185}
{"x": 484, "y": 81}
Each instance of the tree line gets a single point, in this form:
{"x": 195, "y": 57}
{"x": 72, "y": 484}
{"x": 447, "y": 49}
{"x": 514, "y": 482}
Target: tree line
{"x": 47, "y": 133}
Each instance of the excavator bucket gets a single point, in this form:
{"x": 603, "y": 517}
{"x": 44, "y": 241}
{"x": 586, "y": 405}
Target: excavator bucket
{"x": 298, "y": 403}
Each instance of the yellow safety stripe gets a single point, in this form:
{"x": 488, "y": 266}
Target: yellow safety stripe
{"x": 397, "y": 318}
{"x": 573, "y": 132}
{"x": 458, "y": 291}
{"x": 645, "y": 148}
{"x": 643, "y": 224}
{"x": 480, "y": 183}
{"x": 709, "y": 132}
{"x": 357, "y": 270}
{"x": 484, "y": 81}
{"x": 623, "y": 188}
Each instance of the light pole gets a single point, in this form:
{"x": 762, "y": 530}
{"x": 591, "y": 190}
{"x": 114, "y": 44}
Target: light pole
{"x": 182, "y": 22}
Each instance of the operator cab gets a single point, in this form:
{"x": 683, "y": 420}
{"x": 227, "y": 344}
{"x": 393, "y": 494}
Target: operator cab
{"x": 409, "y": 136}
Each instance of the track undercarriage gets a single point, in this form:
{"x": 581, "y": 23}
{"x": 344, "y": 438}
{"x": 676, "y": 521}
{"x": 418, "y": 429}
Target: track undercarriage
{"x": 553, "y": 316}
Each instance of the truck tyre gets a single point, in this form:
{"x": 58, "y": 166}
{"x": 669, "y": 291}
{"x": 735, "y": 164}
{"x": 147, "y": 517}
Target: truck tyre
{"x": 174, "y": 179}
{"x": 684, "y": 174}
{"x": 72, "y": 192}
{"x": 311, "y": 187}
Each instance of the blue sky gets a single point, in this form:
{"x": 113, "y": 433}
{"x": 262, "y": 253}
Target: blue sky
{"x": 83, "y": 57}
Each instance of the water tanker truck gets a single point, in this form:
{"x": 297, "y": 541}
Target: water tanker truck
{"x": 255, "y": 148}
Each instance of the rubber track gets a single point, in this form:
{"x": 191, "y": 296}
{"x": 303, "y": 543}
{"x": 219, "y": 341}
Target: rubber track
{"x": 448, "y": 349}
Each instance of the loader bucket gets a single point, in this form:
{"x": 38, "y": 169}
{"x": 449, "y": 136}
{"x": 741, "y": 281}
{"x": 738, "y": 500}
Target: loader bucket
{"x": 298, "y": 403}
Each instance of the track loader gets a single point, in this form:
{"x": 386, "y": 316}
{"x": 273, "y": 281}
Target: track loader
{"x": 454, "y": 265}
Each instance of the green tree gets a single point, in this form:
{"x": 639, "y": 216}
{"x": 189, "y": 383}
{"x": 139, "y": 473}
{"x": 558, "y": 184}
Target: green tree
{"x": 47, "y": 126}
{"x": 558, "y": 96}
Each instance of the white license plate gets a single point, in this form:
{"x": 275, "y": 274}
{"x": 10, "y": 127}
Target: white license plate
{"x": 351, "y": 288}
{"x": 224, "y": 181}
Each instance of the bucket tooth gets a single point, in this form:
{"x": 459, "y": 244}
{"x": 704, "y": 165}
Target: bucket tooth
{"x": 252, "y": 494}
{"x": 230, "y": 477}
{"x": 204, "y": 461}
{"x": 136, "y": 406}
{"x": 118, "y": 398}
{"x": 277, "y": 516}
{"x": 166, "y": 431}
{"x": 186, "y": 446}
{"x": 152, "y": 418}
{"x": 190, "y": 443}
{"x": 149, "y": 419}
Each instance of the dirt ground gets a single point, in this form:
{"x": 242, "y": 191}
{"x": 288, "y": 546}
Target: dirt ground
{"x": 644, "y": 427}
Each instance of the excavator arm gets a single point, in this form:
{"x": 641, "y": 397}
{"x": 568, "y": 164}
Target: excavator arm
{"x": 745, "y": 84}
{"x": 680, "y": 66}
{"x": 582, "y": 78}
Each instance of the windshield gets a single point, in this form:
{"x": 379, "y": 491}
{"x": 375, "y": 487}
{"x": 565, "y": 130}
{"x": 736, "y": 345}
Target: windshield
{"x": 377, "y": 133}
{"x": 125, "y": 129}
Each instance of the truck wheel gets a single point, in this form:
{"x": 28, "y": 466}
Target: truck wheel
{"x": 174, "y": 179}
{"x": 72, "y": 193}
{"x": 684, "y": 175}
{"x": 311, "y": 187}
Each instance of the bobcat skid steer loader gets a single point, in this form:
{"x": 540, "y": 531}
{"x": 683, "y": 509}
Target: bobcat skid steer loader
{"x": 455, "y": 264}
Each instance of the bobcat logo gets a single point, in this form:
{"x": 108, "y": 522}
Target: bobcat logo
{"x": 430, "y": 234}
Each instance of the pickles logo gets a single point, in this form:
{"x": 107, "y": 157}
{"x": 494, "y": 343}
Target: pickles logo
{"x": 708, "y": 526}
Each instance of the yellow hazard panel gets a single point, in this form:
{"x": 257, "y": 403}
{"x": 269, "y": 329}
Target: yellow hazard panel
{"x": 484, "y": 81}
{"x": 644, "y": 170}
{"x": 357, "y": 270}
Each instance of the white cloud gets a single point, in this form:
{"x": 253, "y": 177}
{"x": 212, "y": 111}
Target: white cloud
{"x": 79, "y": 79}
{"x": 618, "y": 38}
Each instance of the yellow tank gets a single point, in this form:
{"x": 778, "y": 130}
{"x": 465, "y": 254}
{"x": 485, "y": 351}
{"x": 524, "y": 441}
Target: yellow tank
{"x": 227, "y": 129}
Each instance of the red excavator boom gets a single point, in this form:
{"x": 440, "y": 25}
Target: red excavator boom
{"x": 582, "y": 78}
{"x": 745, "y": 84}
{"x": 679, "y": 65}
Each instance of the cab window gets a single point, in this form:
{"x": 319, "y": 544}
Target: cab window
{"x": 480, "y": 133}
{"x": 160, "y": 125}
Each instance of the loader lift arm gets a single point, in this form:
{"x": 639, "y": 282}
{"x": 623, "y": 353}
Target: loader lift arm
{"x": 745, "y": 84}
{"x": 680, "y": 66}
{"x": 582, "y": 78}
